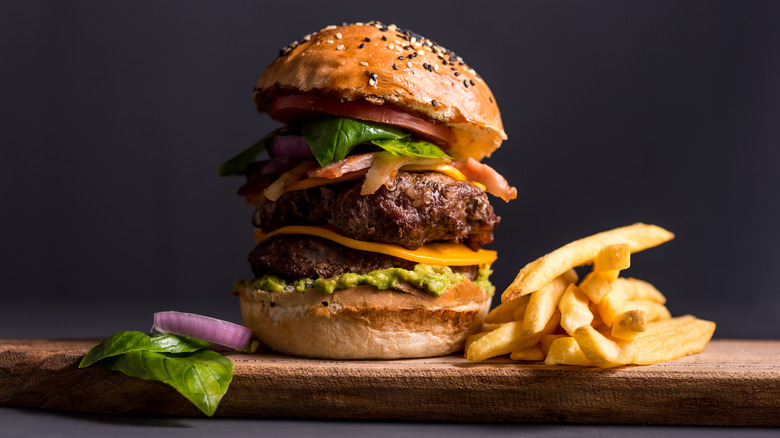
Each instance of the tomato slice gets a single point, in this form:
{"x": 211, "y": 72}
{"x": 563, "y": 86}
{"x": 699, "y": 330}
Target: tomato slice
{"x": 291, "y": 107}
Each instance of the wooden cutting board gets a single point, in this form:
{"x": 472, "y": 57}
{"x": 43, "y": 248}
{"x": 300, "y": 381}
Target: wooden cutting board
{"x": 729, "y": 383}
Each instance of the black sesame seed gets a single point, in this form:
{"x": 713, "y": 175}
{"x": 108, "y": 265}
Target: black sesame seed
{"x": 401, "y": 58}
{"x": 414, "y": 55}
{"x": 434, "y": 103}
{"x": 490, "y": 99}
{"x": 368, "y": 40}
{"x": 453, "y": 58}
{"x": 471, "y": 81}
{"x": 325, "y": 303}
{"x": 272, "y": 304}
{"x": 362, "y": 45}
{"x": 407, "y": 47}
{"x": 465, "y": 83}
{"x": 373, "y": 76}
{"x": 384, "y": 38}
{"x": 395, "y": 67}
{"x": 457, "y": 74}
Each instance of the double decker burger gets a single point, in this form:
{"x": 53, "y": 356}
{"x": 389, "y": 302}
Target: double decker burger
{"x": 372, "y": 207}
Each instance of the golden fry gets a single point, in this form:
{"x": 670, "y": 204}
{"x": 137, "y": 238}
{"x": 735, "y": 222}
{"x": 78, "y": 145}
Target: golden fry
{"x": 661, "y": 342}
{"x": 506, "y": 339}
{"x": 629, "y": 324}
{"x": 542, "y": 271}
{"x": 504, "y": 312}
{"x": 655, "y": 311}
{"x": 613, "y": 258}
{"x": 574, "y": 309}
{"x": 530, "y": 354}
{"x": 564, "y": 350}
{"x": 595, "y": 286}
{"x": 623, "y": 291}
{"x": 544, "y": 302}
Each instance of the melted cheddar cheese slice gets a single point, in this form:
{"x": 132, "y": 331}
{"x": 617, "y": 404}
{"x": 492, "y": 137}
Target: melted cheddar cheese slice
{"x": 442, "y": 254}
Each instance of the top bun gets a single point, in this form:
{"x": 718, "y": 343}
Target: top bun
{"x": 362, "y": 63}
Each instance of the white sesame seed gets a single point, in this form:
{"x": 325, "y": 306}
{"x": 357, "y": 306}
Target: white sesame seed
{"x": 435, "y": 66}
{"x": 392, "y": 27}
{"x": 413, "y": 40}
{"x": 363, "y": 63}
{"x": 359, "y": 23}
{"x": 417, "y": 44}
{"x": 338, "y": 35}
{"x": 329, "y": 41}
{"x": 332, "y": 26}
{"x": 391, "y": 46}
{"x": 420, "y": 52}
{"x": 409, "y": 64}
{"x": 340, "y": 47}
{"x": 307, "y": 37}
{"x": 371, "y": 82}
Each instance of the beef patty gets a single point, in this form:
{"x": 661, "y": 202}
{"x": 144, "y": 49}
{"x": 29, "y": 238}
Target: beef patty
{"x": 297, "y": 256}
{"x": 417, "y": 208}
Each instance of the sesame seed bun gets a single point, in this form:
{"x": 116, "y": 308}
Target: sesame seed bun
{"x": 364, "y": 322}
{"x": 361, "y": 63}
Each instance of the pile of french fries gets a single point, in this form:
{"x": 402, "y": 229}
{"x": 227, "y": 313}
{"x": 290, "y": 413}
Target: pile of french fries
{"x": 548, "y": 314}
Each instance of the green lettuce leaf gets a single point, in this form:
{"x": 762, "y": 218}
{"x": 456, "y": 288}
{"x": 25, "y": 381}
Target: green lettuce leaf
{"x": 332, "y": 138}
{"x": 201, "y": 376}
{"x": 409, "y": 147}
{"x": 129, "y": 341}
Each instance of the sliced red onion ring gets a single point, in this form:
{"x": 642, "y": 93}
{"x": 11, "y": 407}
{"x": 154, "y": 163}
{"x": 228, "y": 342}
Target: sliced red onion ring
{"x": 289, "y": 146}
{"x": 203, "y": 327}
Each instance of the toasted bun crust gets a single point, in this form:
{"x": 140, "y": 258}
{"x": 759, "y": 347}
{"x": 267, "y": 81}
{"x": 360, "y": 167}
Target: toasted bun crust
{"x": 336, "y": 62}
{"x": 365, "y": 323}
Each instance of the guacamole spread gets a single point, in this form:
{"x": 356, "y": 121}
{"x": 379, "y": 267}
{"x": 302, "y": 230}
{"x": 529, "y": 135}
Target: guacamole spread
{"x": 434, "y": 280}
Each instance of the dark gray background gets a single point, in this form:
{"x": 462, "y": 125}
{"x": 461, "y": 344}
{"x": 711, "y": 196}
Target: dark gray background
{"x": 114, "y": 118}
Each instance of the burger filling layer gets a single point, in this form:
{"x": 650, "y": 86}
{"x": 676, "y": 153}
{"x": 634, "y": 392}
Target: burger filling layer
{"x": 416, "y": 208}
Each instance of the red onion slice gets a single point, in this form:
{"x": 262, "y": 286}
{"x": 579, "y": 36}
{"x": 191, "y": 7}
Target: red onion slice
{"x": 202, "y": 327}
{"x": 289, "y": 146}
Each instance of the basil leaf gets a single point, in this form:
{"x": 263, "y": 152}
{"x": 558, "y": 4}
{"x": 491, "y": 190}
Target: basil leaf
{"x": 332, "y": 138}
{"x": 408, "y": 147}
{"x": 129, "y": 341}
{"x": 240, "y": 163}
{"x": 201, "y": 376}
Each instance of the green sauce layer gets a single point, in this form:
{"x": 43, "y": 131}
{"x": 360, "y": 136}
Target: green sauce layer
{"x": 434, "y": 280}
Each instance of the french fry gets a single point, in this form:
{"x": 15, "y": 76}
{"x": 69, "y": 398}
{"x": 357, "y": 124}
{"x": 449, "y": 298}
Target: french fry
{"x": 530, "y": 354}
{"x": 564, "y": 350}
{"x": 574, "y": 309}
{"x": 662, "y": 341}
{"x": 506, "y": 339}
{"x": 623, "y": 291}
{"x": 504, "y": 312}
{"x": 542, "y": 271}
{"x": 595, "y": 286}
{"x": 472, "y": 338}
{"x": 600, "y": 350}
{"x": 655, "y": 311}
{"x": 543, "y": 303}
{"x": 629, "y": 324}
{"x": 547, "y": 340}
{"x": 611, "y": 260}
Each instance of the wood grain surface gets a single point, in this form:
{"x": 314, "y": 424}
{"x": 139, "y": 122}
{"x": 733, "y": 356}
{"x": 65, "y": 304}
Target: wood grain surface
{"x": 730, "y": 383}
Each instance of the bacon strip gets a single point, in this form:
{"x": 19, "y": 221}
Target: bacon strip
{"x": 495, "y": 184}
{"x": 352, "y": 163}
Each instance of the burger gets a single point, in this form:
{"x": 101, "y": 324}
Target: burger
{"x": 370, "y": 204}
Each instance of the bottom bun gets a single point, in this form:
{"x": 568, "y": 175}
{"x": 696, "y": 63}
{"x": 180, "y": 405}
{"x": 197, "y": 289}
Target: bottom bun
{"x": 364, "y": 322}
